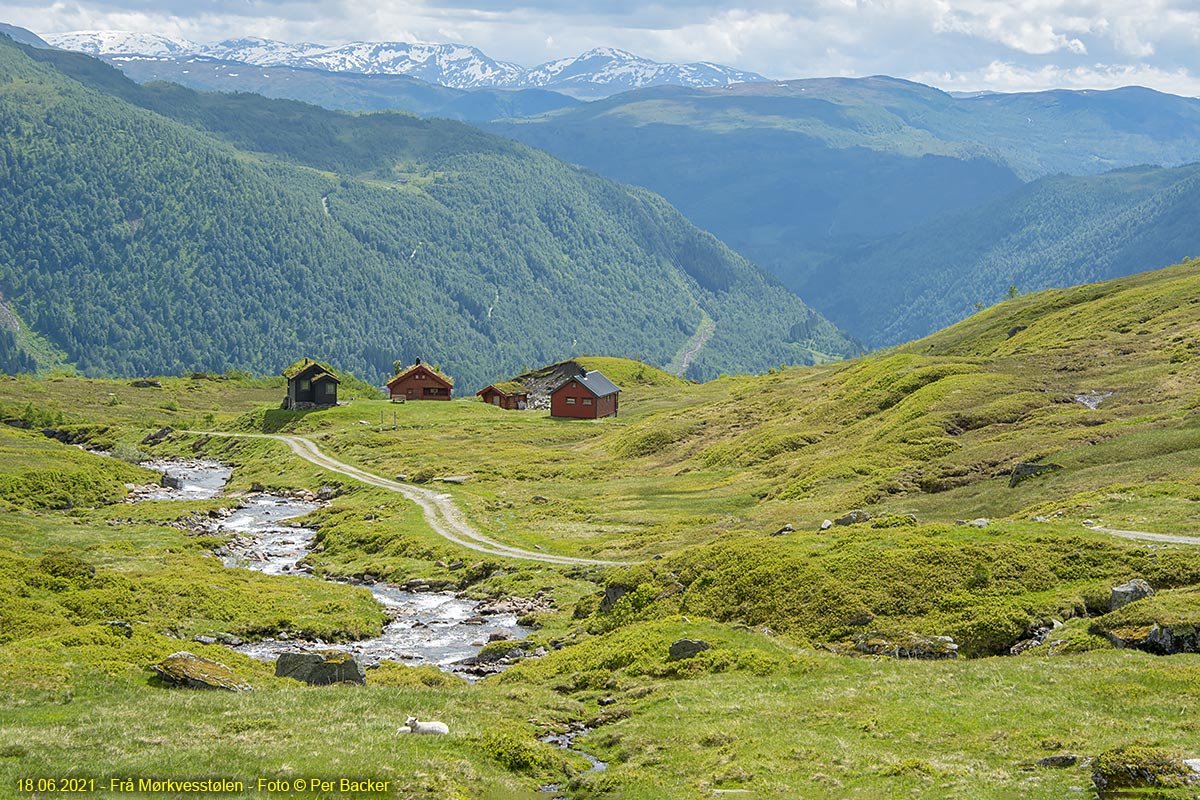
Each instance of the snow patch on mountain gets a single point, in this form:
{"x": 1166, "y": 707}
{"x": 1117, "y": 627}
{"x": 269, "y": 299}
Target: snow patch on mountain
{"x": 122, "y": 43}
{"x": 600, "y": 71}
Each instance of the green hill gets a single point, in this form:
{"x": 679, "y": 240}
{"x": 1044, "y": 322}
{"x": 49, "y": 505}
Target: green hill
{"x": 712, "y": 495}
{"x": 158, "y": 230}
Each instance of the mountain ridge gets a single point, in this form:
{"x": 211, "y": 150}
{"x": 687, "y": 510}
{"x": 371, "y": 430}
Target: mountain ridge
{"x": 178, "y": 197}
{"x": 596, "y": 72}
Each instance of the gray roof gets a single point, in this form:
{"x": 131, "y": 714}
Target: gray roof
{"x": 594, "y": 382}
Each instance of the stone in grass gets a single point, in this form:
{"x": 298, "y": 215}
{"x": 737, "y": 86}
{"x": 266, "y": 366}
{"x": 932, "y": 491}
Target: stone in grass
{"x": 320, "y": 669}
{"x": 1126, "y": 593}
{"x": 855, "y": 517}
{"x": 188, "y": 671}
{"x": 1058, "y": 762}
{"x": 686, "y": 648}
{"x": 1134, "y": 767}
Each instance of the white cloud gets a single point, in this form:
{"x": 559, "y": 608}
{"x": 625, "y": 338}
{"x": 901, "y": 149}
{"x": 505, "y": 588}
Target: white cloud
{"x": 1013, "y": 44}
{"x": 1000, "y": 76}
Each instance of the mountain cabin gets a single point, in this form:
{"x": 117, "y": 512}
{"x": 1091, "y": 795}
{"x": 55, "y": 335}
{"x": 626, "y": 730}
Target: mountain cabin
{"x": 588, "y": 395}
{"x": 310, "y": 385}
{"x": 510, "y": 395}
{"x": 420, "y": 382}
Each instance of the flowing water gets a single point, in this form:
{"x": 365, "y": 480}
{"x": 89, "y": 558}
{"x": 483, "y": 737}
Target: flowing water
{"x": 427, "y": 627}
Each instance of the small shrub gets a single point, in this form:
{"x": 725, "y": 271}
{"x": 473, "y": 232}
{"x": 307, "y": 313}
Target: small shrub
{"x": 516, "y": 752}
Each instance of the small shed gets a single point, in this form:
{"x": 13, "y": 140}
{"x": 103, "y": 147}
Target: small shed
{"x": 510, "y": 395}
{"x": 310, "y": 385}
{"x": 420, "y": 382}
{"x": 588, "y": 395}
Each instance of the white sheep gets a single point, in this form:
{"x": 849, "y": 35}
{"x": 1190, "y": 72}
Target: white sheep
{"x": 413, "y": 726}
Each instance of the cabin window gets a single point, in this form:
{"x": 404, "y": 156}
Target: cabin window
{"x": 495, "y": 399}
{"x": 305, "y": 385}
{"x": 570, "y": 401}
{"x": 419, "y": 376}
{"x": 328, "y": 388}
{"x": 587, "y": 401}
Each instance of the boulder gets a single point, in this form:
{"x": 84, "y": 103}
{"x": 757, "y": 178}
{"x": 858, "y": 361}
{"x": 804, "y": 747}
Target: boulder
{"x": 171, "y": 481}
{"x": 325, "y": 493}
{"x": 912, "y": 645}
{"x": 1127, "y": 593}
{"x": 855, "y": 517}
{"x": 188, "y": 671}
{"x": 1058, "y": 762}
{"x": 1136, "y": 767}
{"x": 687, "y": 648}
{"x": 612, "y": 593}
{"x": 146, "y": 384}
{"x": 1026, "y": 469}
{"x": 320, "y": 669}
{"x": 980, "y": 523}
{"x": 785, "y": 529}
{"x": 158, "y": 435}
{"x": 827, "y": 524}
{"x": 1163, "y": 640}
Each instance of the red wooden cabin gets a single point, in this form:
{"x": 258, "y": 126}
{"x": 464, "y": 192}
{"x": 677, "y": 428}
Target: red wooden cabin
{"x": 509, "y": 395}
{"x": 419, "y": 382}
{"x": 588, "y": 395}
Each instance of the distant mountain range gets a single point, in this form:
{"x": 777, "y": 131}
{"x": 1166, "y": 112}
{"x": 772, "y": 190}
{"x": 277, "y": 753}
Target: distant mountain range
{"x": 894, "y": 207}
{"x": 597, "y": 73}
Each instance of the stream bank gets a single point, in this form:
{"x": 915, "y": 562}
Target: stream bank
{"x": 426, "y": 627}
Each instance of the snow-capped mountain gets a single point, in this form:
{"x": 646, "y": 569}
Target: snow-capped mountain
{"x": 596, "y": 73}
{"x": 619, "y": 70}
{"x": 123, "y": 43}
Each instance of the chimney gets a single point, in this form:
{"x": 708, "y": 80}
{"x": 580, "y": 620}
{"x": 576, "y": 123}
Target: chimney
{"x": 417, "y": 363}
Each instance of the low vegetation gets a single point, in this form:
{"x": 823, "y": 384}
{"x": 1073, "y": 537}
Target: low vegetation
{"x": 826, "y": 670}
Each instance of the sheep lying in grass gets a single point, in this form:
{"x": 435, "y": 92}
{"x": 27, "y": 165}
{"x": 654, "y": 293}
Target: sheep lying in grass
{"x": 412, "y": 726}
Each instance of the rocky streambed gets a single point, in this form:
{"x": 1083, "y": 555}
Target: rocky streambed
{"x": 426, "y": 627}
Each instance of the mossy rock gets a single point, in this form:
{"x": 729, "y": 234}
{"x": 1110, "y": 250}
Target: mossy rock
{"x": 189, "y": 671}
{"x": 320, "y": 669}
{"x": 1141, "y": 767}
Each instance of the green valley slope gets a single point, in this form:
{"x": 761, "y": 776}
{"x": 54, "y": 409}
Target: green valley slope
{"x": 802, "y": 176}
{"x": 153, "y": 230}
{"x": 1055, "y": 232}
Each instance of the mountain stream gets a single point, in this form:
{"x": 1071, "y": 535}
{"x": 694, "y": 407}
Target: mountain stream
{"x": 426, "y": 628}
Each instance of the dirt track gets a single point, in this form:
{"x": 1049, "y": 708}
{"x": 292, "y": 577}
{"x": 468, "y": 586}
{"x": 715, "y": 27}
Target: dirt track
{"x": 440, "y": 512}
{"x": 1166, "y": 538}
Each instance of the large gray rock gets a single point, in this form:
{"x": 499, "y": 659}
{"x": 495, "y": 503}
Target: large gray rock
{"x": 320, "y": 669}
{"x": 1163, "y": 640}
{"x": 855, "y": 517}
{"x": 1026, "y": 469}
{"x": 188, "y": 671}
{"x": 911, "y": 645}
{"x": 686, "y": 648}
{"x": 1127, "y": 593}
{"x": 612, "y": 593}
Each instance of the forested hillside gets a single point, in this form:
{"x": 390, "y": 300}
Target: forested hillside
{"x": 799, "y": 174}
{"x": 152, "y": 230}
{"x": 1055, "y": 232}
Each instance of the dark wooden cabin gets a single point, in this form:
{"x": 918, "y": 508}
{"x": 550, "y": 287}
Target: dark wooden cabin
{"x": 310, "y": 385}
{"x": 510, "y": 395}
{"x": 419, "y": 382}
{"x": 588, "y": 395}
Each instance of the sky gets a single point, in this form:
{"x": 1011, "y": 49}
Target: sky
{"x": 956, "y": 45}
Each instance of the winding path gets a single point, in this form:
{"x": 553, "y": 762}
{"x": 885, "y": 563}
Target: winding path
{"x": 440, "y": 512}
{"x": 1146, "y": 536}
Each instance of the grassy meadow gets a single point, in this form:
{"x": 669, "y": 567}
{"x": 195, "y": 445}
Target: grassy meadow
{"x": 688, "y": 487}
